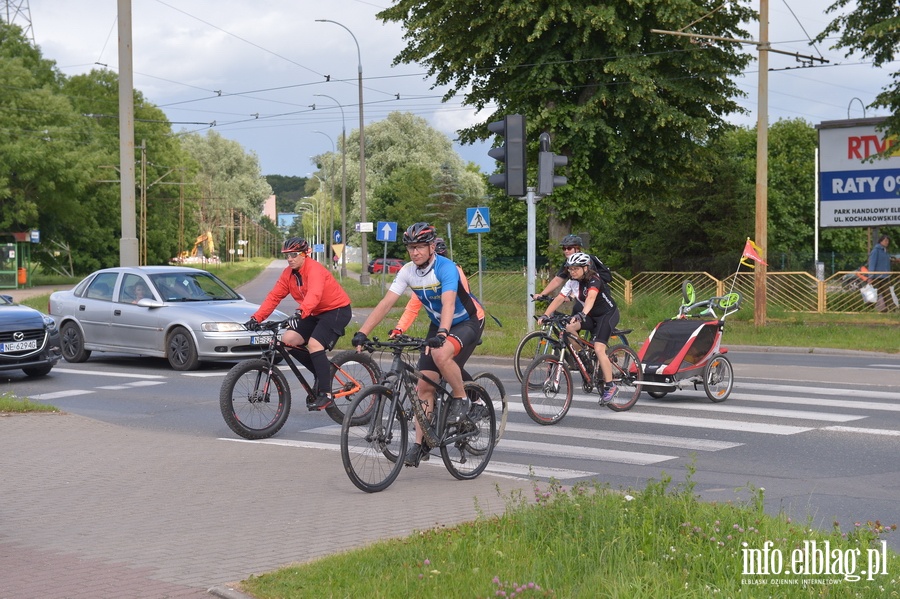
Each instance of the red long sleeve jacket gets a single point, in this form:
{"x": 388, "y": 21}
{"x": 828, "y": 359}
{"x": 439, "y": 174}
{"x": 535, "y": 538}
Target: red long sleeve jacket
{"x": 315, "y": 289}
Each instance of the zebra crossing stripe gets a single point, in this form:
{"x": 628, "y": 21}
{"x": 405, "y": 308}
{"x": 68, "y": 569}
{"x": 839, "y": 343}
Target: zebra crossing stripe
{"x": 645, "y": 417}
{"x": 622, "y": 437}
{"x": 764, "y": 412}
{"x": 59, "y": 394}
{"x": 892, "y": 395}
{"x": 864, "y": 431}
{"x": 526, "y": 471}
{"x": 584, "y": 453}
{"x": 825, "y": 403}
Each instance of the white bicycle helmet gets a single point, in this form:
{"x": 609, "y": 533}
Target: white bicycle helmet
{"x": 579, "y": 259}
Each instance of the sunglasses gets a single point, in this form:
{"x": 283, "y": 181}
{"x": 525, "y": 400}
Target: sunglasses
{"x": 570, "y": 247}
{"x": 293, "y": 254}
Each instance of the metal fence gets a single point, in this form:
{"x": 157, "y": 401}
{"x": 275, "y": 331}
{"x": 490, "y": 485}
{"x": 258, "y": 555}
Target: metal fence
{"x": 785, "y": 291}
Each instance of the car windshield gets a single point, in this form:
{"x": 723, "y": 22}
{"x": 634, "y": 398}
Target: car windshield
{"x": 4, "y": 301}
{"x": 192, "y": 287}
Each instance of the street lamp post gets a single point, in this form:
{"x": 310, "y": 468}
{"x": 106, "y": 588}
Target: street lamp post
{"x": 330, "y": 225}
{"x": 343, "y": 183}
{"x": 315, "y": 211}
{"x": 363, "y": 274}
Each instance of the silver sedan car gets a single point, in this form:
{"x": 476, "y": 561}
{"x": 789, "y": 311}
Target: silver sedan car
{"x": 183, "y": 314}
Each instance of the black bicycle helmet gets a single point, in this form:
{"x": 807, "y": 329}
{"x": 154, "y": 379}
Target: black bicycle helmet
{"x": 570, "y": 240}
{"x": 295, "y": 244}
{"x": 419, "y": 233}
{"x": 579, "y": 259}
{"x": 440, "y": 246}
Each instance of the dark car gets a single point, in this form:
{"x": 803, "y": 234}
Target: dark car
{"x": 390, "y": 266}
{"x": 29, "y": 340}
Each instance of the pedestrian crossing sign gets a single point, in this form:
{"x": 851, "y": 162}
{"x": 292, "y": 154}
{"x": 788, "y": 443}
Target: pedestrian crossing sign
{"x": 478, "y": 219}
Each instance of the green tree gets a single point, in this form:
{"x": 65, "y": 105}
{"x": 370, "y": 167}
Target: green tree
{"x": 401, "y": 140}
{"x": 165, "y": 164}
{"x": 229, "y": 184}
{"x": 627, "y": 106}
{"x": 871, "y": 28}
{"x": 287, "y": 189}
{"x": 49, "y": 159}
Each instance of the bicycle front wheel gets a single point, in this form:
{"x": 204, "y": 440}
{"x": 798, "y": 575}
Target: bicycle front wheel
{"x": 718, "y": 378}
{"x": 497, "y": 392}
{"x": 369, "y": 450}
{"x": 547, "y": 390}
{"x": 627, "y": 374}
{"x": 471, "y": 440}
{"x": 254, "y": 402}
{"x": 532, "y": 345}
{"x": 351, "y": 372}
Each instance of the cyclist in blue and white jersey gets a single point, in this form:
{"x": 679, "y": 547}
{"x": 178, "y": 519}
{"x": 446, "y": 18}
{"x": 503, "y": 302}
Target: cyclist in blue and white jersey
{"x": 457, "y": 320}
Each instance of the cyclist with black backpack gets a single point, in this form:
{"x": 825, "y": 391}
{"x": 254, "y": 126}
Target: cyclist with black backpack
{"x": 598, "y": 314}
{"x": 572, "y": 244}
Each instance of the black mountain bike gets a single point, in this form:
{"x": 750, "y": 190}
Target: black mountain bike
{"x": 376, "y": 428}
{"x": 546, "y": 341}
{"x": 255, "y": 397}
{"x": 547, "y": 383}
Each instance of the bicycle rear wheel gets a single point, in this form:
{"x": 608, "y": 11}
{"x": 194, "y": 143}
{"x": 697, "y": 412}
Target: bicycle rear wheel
{"x": 254, "y": 403}
{"x": 468, "y": 455}
{"x": 497, "y": 392}
{"x": 627, "y": 375}
{"x": 532, "y": 345}
{"x": 547, "y": 390}
{"x": 369, "y": 451}
{"x": 351, "y": 372}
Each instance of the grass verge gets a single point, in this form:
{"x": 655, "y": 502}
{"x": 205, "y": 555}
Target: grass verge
{"x": 10, "y": 404}
{"x": 592, "y": 541}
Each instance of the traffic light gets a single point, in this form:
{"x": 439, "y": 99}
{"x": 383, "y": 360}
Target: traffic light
{"x": 547, "y": 181}
{"x": 511, "y": 154}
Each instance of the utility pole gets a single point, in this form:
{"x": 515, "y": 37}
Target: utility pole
{"x": 762, "y": 144}
{"x": 128, "y": 244}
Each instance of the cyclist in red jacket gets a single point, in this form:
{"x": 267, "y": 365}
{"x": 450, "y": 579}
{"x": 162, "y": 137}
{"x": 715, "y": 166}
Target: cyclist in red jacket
{"x": 322, "y": 315}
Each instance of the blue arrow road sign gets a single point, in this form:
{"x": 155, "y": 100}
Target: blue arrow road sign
{"x": 478, "y": 219}
{"x": 386, "y": 231}
{"x": 337, "y": 236}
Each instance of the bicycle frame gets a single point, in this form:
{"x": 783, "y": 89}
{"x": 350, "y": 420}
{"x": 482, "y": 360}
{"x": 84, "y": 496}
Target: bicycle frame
{"x": 403, "y": 377}
{"x": 276, "y": 347}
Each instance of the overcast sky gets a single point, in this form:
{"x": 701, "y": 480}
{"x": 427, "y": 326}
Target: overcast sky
{"x": 254, "y": 68}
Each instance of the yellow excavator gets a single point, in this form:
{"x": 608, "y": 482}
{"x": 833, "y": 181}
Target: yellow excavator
{"x": 204, "y": 247}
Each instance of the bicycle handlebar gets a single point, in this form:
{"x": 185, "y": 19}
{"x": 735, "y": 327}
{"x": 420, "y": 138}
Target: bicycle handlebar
{"x": 398, "y": 342}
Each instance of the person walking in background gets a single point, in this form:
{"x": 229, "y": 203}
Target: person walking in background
{"x": 322, "y": 315}
{"x": 880, "y": 264}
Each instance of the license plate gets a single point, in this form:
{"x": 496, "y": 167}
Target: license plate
{"x": 257, "y": 340}
{"x": 18, "y": 346}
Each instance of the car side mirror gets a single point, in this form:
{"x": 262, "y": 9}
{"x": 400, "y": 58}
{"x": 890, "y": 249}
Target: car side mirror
{"x": 148, "y": 302}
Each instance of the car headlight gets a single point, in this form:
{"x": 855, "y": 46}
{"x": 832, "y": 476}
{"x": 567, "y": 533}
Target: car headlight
{"x": 221, "y": 327}
{"x": 49, "y": 323}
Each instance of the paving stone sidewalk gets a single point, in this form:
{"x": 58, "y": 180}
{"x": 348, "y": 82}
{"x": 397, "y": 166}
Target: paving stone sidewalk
{"x": 100, "y": 511}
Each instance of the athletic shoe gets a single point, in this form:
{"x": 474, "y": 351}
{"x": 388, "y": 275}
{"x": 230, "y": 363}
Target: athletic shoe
{"x": 323, "y": 400}
{"x": 478, "y": 412}
{"x": 608, "y": 393}
{"x": 417, "y": 453}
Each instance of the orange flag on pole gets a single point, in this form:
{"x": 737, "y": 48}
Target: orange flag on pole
{"x": 751, "y": 250}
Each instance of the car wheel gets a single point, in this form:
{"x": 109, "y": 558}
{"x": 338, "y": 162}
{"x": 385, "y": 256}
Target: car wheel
{"x": 181, "y": 351}
{"x": 38, "y": 370}
{"x": 72, "y": 343}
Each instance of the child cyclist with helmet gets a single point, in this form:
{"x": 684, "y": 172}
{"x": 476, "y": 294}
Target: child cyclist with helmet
{"x": 599, "y": 313}
{"x": 322, "y": 315}
{"x": 457, "y": 320}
